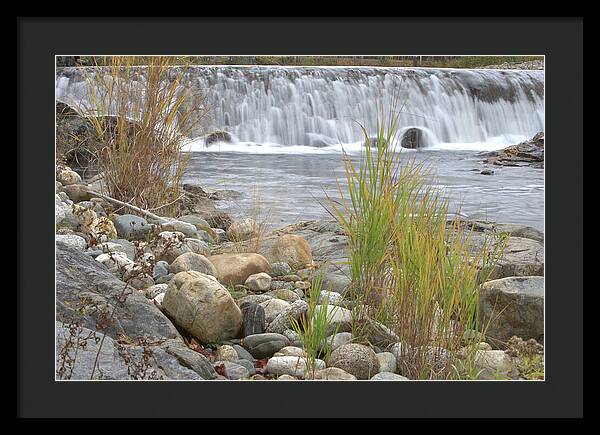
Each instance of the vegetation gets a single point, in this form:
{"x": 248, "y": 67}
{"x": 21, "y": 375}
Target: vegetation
{"x": 411, "y": 270}
{"x": 141, "y": 120}
{"x": 424, "y": 61}
{"x": 315, "y": 329}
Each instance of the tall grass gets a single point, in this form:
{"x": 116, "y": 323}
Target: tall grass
{"x": 411, "y": 269}
{"x": 313, "y": 332}
{"x": 142, "y": 116}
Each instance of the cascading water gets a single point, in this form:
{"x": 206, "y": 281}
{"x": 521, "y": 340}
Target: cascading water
{"x": 297, "y": 108}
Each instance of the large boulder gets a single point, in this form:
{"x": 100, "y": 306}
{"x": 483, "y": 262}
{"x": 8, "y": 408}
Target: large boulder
{"x": 530, "y": 152}
{"x": 291, "y": 249}
{"x": 356, "y": 359}
{"x": 191, "y": 261}
{"x": 87, "y": 292}
{"x": 513, "y": 306}
{"x": 235, "y": 269}
{"x": 200, "y": 305}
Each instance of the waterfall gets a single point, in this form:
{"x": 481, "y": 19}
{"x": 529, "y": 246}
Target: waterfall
{"x": 324, "y": 106}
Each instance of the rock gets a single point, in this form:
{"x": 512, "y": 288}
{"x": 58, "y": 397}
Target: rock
{"x": 291, "y": 365}
{"x": 77, "y": 192}
{"x": 243, "y": 229}
{"x": 487, "y": 172}
{"x": 302, "y": 285}
{"x": 116, "y": 262}
{"x": 236, "y": 268}
{"x": 220, "y": 235}
{"x": 131, "y": 227}
{"x": 188, "y": 230}
{"x": 155, "y": 290}
{"x": 340, "y": 319}
{"x": 243, "y": 353}
{"x": 333, "y": 374}
{"x": 283, "y": 294}
{"x": 290, "y": 351}
{"x": 522, "y": 257}
{"x": 254, "y": 319}
{"x": 286, "y": 378}
{"x": 281, "y": 269}
{"x": 165, "y": 279}
{"x": 190, "y": 358}
{"x": 86, "y": 291}
{"x": 254, "y": 299}
{"x": 217, "y": 136}
{"x": 276, "y": 285}
{"x": 273, "y": 307}
{"x": 293, "y": 337}
{"x": 197, "y": 246}
{"x": 190, "y": 261}
{"x": 494, "y": 364}
{"x": 291, "y": 249}
{"x": 226, "y": 353}
{"x": 387, "y": 376}
{"x": 387, "y": 362}
{"x": 329, "y": 298}
{"x": 119, "y": 245}
{"x": 284, "y": 320}
{"x": 200, "y": 305}
{"x": 170, "y": 245}
{"x": 161, "y": 268}
{"x": 513, "y": 306}
{"x": 412, "y": 138}
{"x": 73, "y": 241}
{"x": 528, "y": 153}
{"x": 248, "y": 365}
{"x": 290, "y": 278}
{"x": 379, "y": 335}
{"x": 258, "y": 282}
{"x": 335, "y": 283}
{"x": 339, "y": 339}
{"x": 264, "y": 345}
{"x": 158, "y": 300}
{"x": 233, "y": 371}
{"x": 67, "y": 177}
{"x": 356, "y": 359}
{"x": 195, "y": 220}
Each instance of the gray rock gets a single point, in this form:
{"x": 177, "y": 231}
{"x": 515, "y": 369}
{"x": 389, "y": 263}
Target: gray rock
{"x": 340, "y": 319}
{"x": 281, "y": 269}
{"x": 290, "y": 351}
{"x": 333, "y": 374}
{"x": 234, "y": 371}
{"x": 356, "y": 359}
{"x": 284, "y": 320}
{"x": 258, "y": 282}
{"x": 82, "y": 282}
{"x": 73, "y": 241}
{"x": 387, "y": 362}
{"x": 293, "y": 337}
{"x": 513, "y": 306}
{"x": 243, "y": 353}
{"x": 155, "y": 290}
{"x": 291, "y": 365}
{"x": 336, "y": 282}
{"x": 188, "y": 230}
{"x": 495, "y": 364}
{"x": 339, "y": 339}
{"x": 195, "y": 220}
{"x": 165, "y": 279}
{"x": 191, "y": 359}
{"x": 253, "y": 319}
{"x": 273, "y": 307}
{"x": 254, "y": 299}
{"x": 387, "y": 376}
{"x": 283, "y": 294}
{"x": 131, "y": 227}
{"x": 264, "y": 345}
{"x": 248, "y": 365}
{"x": 330, "y": 298}
{"x": 161, "y": 268}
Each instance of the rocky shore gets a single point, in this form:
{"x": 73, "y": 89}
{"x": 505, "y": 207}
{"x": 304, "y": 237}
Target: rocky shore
{"x": 208, "y": 297}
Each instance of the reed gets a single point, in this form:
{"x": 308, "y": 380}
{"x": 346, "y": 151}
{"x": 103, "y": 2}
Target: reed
{"x": 411, "y": 269}
{"x": 142, "y": 116}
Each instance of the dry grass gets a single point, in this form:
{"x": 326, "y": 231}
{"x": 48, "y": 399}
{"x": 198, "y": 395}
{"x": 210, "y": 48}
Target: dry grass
{"x": 142, "y": 117}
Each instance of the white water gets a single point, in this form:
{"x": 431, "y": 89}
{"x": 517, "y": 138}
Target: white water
{"x": 289, "y": 110}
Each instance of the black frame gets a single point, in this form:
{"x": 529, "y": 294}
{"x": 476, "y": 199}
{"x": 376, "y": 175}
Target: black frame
{"x": 561, "y": 40}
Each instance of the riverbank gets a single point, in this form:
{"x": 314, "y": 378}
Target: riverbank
{"x": 206, "y": 296}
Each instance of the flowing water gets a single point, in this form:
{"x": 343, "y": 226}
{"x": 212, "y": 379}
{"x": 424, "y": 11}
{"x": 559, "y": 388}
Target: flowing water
{"x": 289, "y": 124}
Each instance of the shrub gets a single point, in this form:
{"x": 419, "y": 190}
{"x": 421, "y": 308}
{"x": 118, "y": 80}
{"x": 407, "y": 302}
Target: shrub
{"x": 142, "y": 116}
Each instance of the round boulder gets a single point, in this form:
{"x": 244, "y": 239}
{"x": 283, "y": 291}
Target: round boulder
{"x": 356, "y": 359}
{"x": 235, "y": 269}
{"x": 195, "y": 262}
{"x": 291, "y": 249}
{"x": 200, "y": 305}
{"x": 258, "y": 282}
{"x": 131, "y": 227}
